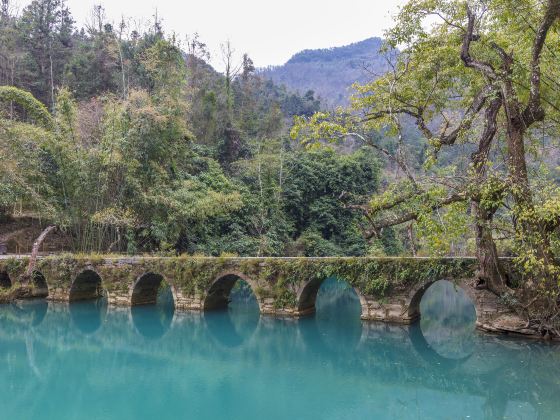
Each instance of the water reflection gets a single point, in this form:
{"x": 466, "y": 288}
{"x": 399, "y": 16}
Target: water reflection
{"x": 336, "y": 324}
{"x": 33, "y": 310}
{"x": 429, "y": 353}
{"x": 448, "y": 320}
{"x": 232, "y": 327}
{"x": 319, "y": 367}
{"x": 235, "y": 325}
{"x": 153, "y": 321}
{"x": 87, "y": 316}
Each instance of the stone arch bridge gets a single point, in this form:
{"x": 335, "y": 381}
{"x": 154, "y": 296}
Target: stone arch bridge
{"x": 390, "y": 289}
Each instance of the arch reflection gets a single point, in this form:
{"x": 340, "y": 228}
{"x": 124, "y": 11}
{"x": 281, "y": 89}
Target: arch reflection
{"x": 429, "y": 353}
{"x": 88, "y": 315}
{"x": 33, "y": 311}
{"x": 154, "y": 321}
{"x": 336, "y": 326}
{"x": 448, "y": 322}
{"x": 235, "y": 325}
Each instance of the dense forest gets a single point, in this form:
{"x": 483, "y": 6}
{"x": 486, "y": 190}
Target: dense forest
{"x": 127, "y": 140}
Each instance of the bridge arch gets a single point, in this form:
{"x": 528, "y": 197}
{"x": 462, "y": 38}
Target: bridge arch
{"x": 5, "y": 281}
{"x": 218, "y": 295}
{"x": 40, "y": 286}
{"x": 87, "y": 285}
{"x": 417, "y": 293}
{"x": 145, "y": 289}
{"x": 150, "y": 321}
{"x": 307, "y": 297}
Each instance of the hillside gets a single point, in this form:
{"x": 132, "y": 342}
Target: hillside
{"x": 330, "y": 72}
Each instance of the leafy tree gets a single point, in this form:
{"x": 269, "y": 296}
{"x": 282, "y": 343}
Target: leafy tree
{"x": 11, "y": 54}
{"x": 94, "y": 67}
{"x": 316, "y": 186}
{"x": 128, "y": 143}
{"x": 479, "y": 80}
{"x": 22, "y": 174}
{"x": 46, "y": 29}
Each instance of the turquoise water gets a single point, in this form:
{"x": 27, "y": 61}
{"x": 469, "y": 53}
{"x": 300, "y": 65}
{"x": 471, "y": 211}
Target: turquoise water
{"x": 87, "y": 362}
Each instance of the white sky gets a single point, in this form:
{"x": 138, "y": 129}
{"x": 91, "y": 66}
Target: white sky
{"x": 269, "y": 31}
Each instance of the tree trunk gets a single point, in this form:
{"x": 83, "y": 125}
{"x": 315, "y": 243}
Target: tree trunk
{"x": 517, "y": 164}
{"x": 121, "y": 59}
{"x": 52, "y": 82}
{"x": 410, "y": 232}
{"x": 532, "y": 229}
{"x": 35, "y": 251}
{"x": 490, "y": 272}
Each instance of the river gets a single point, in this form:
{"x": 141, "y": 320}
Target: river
{"x": 84, "y": 361}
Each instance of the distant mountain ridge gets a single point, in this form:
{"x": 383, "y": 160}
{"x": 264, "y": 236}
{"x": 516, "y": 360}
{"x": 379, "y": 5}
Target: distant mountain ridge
{"x": 330, "y": 72}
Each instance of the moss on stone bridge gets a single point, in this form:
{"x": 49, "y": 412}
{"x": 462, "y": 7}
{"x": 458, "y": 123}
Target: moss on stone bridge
{"x": 389, "y": 288}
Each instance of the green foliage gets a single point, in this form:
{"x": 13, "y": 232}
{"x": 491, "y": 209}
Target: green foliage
{"x": 33, "y": 109}
{"x": 95, "y": 66}
{"x": 164, "y": 64}
{"x": 22, "y": 167}
{"x": 146, "y": 148}
{"x": 45, "y": 28}
{"x": 315, "y": 184}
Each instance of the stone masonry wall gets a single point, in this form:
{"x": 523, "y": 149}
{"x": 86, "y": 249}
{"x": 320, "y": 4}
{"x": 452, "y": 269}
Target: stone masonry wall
{"x": 389, "y": 289}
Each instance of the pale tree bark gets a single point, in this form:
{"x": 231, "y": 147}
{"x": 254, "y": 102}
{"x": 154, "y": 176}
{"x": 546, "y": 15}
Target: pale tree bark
{"x": 410, "y": 233}
{"x": 35, "y": 251}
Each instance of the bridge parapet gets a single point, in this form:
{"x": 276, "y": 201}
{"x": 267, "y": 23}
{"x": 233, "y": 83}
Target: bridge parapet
{"x": 390, "y": 289}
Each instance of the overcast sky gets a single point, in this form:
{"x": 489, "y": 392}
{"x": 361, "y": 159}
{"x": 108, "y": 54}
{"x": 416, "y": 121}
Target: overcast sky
{"x": 269, "y": 31}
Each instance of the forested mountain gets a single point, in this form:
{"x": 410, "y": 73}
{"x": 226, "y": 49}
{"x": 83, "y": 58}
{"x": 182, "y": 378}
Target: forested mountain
{"x": 330, "y": 72}
{"x": 129, "y": 141}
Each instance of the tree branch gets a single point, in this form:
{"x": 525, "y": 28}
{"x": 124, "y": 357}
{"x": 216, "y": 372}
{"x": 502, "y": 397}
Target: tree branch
{"x": 534, "y": 111}
{"x": 480, "y": 157}
{"x": 413, "y": 215}
{"x": 485, "y": 68}
{"x": 397, "y": 159}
